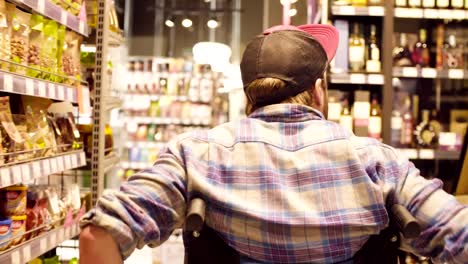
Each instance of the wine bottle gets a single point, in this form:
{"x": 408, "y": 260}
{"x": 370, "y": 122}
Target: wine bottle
{"x": 396, "y": 126}
{"x": 346, "y": 119}
{"x": 452, "y": 52}
{"x": 373, "y": 52}
{"x": 425, "y": 133}
{"x": 428, "y": 3}
{"x": 402, "y": 54}
{"x": 357, "y": 49}
{"x": 407, "y": 124}
{"x": 375, "y": 120}
{"x": 421, "y": 51}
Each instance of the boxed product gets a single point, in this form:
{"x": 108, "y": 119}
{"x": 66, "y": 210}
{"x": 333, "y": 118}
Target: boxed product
{"x": 5, "y": 233}
{"x": 36, "y": 40}
{"x": 19, "y": 41}
{"x": 5, "y": 31}
{"x": 18, "y": 229}
{"x": 14, "y": 200}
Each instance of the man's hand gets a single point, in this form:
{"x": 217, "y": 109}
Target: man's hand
{"x": 98, "y": 246}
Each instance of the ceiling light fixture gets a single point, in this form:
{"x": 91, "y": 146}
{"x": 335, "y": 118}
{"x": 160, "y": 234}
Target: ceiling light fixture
{"x": 212, "y": 23}
{"x": 187, "y": 22}
{"x": 169, "y": 22}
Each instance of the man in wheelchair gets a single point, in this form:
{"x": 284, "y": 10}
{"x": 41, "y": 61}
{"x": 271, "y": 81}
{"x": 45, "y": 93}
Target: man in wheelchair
{"x": 283, "y": 185}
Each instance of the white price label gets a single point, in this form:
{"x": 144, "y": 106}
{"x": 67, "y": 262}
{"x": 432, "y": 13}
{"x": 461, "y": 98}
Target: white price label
{"x": 6, "y": 179}
{"x": 41, "y": 6}
{"x": 42, "y": 89}
{"x": 458, "y": 14}
{"x": 445, "y": 14}
{"x": 410, "y": 153}
{"x": 51, "y": 88}
{"x": 29, "y": 87}
{"x": 426, "y": 154}
{"x": 63, "y": 17}
{"x": 347, "y": 10}
{"x": 25, "y": 172}
{"x": 60, "y": 165}
{"x": 431, "y": 13}
{"x": 410, "y": 72}
{"x": 82, "y": 158}
{"x": 376, "y": 11}
{"x": 82, "y": 27}
{"x": 15, "y": 257}
{"x": 375, "y": 78}
{"x": 357, "y": 78}
{"x": 74, "y": 160}
{"x": 70, "y": 96}
{"x": 429, "y": 73}
{"x": 52, "y": 166}
{"x": 7, "y": 82}
{"x": 53, "y": 239}
{"x": 16, "y": 172}
{"x": 455, "y": 74}
{"x": 46, "y": 167}
{"x": 60, "y": 236}
{"x": 67, "y": 233}
{"x": 61, "y": 93}
{"x": 26, "y": 253}
{"x": 37, "y": 169}
{"x": 67, "y": 162}
{"x": 43, "y": 245}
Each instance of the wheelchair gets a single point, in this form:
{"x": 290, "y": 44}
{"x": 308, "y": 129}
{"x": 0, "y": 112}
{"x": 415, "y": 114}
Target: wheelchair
{"x": 204, "y": 246}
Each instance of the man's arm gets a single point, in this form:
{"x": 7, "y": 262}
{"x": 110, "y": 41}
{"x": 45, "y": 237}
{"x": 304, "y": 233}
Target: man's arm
{"x": 98, "y": 246}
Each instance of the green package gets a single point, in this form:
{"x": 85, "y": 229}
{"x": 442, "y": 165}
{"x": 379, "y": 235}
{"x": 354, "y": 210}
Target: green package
{"x": 60, "y": 49}
{"x": 49, "y": 51}
{"x": 36, "y": 40}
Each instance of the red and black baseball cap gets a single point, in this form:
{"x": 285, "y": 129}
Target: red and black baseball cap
{"x": 288, "y": 53}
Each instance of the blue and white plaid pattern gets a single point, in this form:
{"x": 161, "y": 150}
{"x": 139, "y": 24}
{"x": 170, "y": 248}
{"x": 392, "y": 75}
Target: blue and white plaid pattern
{"x": 283, "y": 185}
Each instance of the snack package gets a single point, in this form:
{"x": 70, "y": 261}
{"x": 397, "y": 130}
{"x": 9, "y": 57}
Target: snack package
{"x": 5, "y": 233}
{"x": 40, "y": 132}
{"x": 12, "y": 140}
{"x": 19, "y": 41}
{"x": 5, "y": 31}
{"x": 14, "y": 200}
{"x": 53, "y": 206}
{"x": 21, "y": 125}
{"x": 36, "y": 41}
{"x": 68, "y": 130}
{"x": 18, "y": 228}
{"x": 49, "y": 50}
{"x": 71, "y": 56}
{"x": 60, "y": 49}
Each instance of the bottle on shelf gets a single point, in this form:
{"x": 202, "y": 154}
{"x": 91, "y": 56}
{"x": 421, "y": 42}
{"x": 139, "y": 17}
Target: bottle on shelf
{"x": 428, "y": 3}
{"x": 452, "y": 52}
{"x": 414, "y": 3}
{"x": 396, "y": 126}
{"x": 402, "y": 53}
{"x": 357, "y": 48}
{"x": 458, "y": 4}
{"x": 346, "y": 119}
{"x": 425, "y": 133}
{"x": 443, "y": 3}
{"x": 373, "y": 52}
{"x": 407, "y": 124}
{"x": 375, "y": 120}
{"x": 400, "y": 3}
{"x": 421, "y": 55}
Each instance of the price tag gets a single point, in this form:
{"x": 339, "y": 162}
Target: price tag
{"x": 376, "y": 11}
{"x": 25, "y": 172}
{"x": 410, "y": 72}
{"x": 431, "y": 13}
{"x": 61, "y": 93}
{"x": 82, "y": 28}
{"x": 445, "y": 14}
{"x": 375, "y": 79}
{"x": 37, "y": 169}
{"x": 15, "y": 257}
{"x": 347, "y": 10}
{"x": 6, "y": 179}
{"x": 51, "y": 88}
{"x": 53, "y": 239}
{"x": 410, "y": 153}
{"x": 455, "y": 74}
{"x": 29, "y": 87}
{"x": 60, "y": 165}
{"x": 63, "y": 17}
{"x": 46, "y": 167}
{"x": 458, "y": 14}
{"x": 43, "y": 245}
{"x": 429, "y": 73}
{"x": 52, "y": 166}
{"x": 67, "y": 162}
{"x": 16, "y": 172}
{"x": 74, "y": 160}
{"x": 7, "y": 83}
{"x": 67, "y": 233}
{"x": 426, "y": 154}
{"x": 70, "y": 95}
{"x": 26, "y": 253}
{"x": 82, "y": 158}
{"x": 42, "y": 89}
{"x": 60, "y": 235}
{"x": 357, "y": 78}
{"x": 41, "y": 6}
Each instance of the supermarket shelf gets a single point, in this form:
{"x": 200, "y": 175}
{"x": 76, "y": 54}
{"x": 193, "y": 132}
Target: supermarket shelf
{"x": 357, "y": 78}
{"x": 431, "y": 13}
{"x": 167, "y": 121}
{"x": 14, "y": 83}
{"x": 110, "y": 161}
{"x": 115, "y": 39}
{"x": 144, "y": 144}
{"x": 112, "y": 102}
{"x": 151, "y": 97}
{"x": 358, "y": 11}
{"x": 49, "y": 9}
{"x": 31, "y": 170}
{"x": 39, "y": 245}
{"x": 429, "y": 73}
{"x": 136, "y": 165}
{"x": 430, "y": 154}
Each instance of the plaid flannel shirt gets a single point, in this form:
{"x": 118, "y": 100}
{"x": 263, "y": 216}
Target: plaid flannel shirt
{"x": 283, "y": 185}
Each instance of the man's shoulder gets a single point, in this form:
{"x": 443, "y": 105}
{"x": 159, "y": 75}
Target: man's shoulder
{"x": 372, "y": 146}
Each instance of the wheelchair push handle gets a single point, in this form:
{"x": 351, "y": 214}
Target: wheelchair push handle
{"x": 405, "y": 222}
{"x": 195, "y": 216}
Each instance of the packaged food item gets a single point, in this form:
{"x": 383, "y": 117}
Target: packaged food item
{"x": 49, "y": 50}
{"x": 44, "y": 217}
{"x": 5, "y": 31}
{"x": 41, "y": 134}
{"x": 53, "y": 206}
{"x": 32, "y": 213}
{"x": 18, "y": 228}
{"x": 21, "y": 125}
{"x": 5, "y": 233}
{"x": 19, "y": 41}
{"x": 71, "y": 56}
{"x": 14, "y": 200}
{"x": 60, "y": 49}
{"x": 12, "y": 141}
{"x": 64, "y": 121}
{"x": 36, "y": 41}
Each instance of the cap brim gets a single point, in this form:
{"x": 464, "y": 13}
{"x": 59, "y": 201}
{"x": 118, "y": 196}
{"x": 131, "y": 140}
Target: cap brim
{"x": 326, "y": 35}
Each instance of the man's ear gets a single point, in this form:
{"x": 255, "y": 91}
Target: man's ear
{"x": 318, "y": 93}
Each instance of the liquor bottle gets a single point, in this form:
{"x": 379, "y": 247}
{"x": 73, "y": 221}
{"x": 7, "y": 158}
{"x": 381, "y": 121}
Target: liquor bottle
{"x": 459, "y": 4}
{"x": 426, "y": 136}
{"x": 375, "y": 2}
{"x": 402, "y": 54}
{"x": 375, "y": 120}
{"x": 440, "y": 29}
{"x": 400, "y": 3}
{"x": 407, "y": 124}
{"x": 396, "y": 125}
{"x": 443, "y": 3}
{"x": 346, "y": 119}
{"x": 421, "y": 51}
{"x": 359, "y": 2}
{"x": 357, "y": 48}
{"x": 428, "y": 3}
{"x": 414, "y": 3}
{"x": 373, "y": 52}
{"x": 452, "y": 53}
